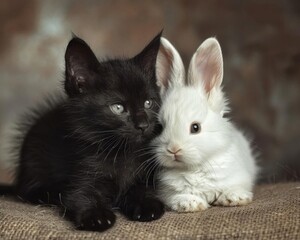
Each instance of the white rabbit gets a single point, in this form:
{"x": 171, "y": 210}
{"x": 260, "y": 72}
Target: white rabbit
{"x": 205, "y": 159}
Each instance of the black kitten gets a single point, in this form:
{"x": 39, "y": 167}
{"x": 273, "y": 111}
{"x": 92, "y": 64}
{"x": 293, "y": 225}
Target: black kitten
{"x": 87, "y": 153}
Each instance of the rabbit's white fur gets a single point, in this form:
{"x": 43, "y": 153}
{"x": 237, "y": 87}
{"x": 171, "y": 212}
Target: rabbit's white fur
{"x": 215, "y": 166}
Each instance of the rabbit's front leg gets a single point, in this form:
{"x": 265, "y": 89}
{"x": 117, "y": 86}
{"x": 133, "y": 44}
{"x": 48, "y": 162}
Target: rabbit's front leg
{"x": 187, "y": 203}
{"x": 234, "y": 197}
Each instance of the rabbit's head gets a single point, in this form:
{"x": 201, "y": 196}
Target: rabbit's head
{"x": 194, "y": 128}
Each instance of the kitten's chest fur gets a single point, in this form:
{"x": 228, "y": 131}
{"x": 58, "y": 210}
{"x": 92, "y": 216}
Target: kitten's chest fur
{"x": 120, "y": 166}
{"x": 55, "y": 156}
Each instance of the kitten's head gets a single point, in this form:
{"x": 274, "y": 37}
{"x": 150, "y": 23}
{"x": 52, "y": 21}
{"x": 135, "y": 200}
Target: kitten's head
{"x": 116, "y": 100}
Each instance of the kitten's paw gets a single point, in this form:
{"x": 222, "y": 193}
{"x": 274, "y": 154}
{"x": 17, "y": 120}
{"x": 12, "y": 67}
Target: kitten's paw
{"x": 234, "y": 198}
{"x": 98, "y": 219}
{"x": 188, "y": 203}
{"x": 148, "y": 210}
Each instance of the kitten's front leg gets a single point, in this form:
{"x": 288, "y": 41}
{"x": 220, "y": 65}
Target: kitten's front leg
{"x": 87, "y": 210}
{"x": 140, "y": 204}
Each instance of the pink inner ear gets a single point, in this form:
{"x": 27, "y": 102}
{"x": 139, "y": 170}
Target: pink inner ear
{"x": 208, "y": 65}
{"x": 165, "y": 65}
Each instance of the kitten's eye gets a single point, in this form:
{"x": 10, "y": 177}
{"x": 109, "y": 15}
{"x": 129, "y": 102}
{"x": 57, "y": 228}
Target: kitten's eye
{"x": 195, "y": 128}
{"x": 148, "y": 104}
{"x": 117, "y": 108}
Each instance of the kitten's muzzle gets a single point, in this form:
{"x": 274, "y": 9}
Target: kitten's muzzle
{"x": 143, "y": 126}
{"x": 142, "y": 123}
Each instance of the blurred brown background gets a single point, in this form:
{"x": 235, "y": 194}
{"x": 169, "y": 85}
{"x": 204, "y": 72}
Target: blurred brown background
{"x": 260, "y": 41}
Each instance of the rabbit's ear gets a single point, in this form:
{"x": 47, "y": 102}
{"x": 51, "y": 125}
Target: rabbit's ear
{"x": 169, "y": 67}
{"x": 206, "y": 66}
{"x": 206, "y": 71}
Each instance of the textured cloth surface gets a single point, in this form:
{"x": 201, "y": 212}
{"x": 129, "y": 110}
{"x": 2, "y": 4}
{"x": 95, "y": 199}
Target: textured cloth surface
{"x": 274, "y": 214}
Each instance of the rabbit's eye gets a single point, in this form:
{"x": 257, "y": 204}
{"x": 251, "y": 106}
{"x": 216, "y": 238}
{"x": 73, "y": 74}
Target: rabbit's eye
{"x": 195, "y": 128}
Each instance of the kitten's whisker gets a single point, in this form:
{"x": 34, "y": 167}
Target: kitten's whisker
{"x": 84, "y": 133}
{"x": 151, "y": 169}
{"x": 141, "y": 167}
{"x": 146, "y": 153}
{"x": 145, "y": 165}
{"x": 103, "y": 139}
{"x": 76, "y": 131}
{"x": 114, "y": 145}
{"x": 118, "y": 151}
{"x": 107, "y": 144}
{"x": 159, "y": 105}
{"x": 90, "y": 144}
{"x": 124, "y": 149}
{"x": 143, "y": 149}
{"x": 100, "y": 144}
{"x": 155, "y": 175}
{"x": 155, "y": 113}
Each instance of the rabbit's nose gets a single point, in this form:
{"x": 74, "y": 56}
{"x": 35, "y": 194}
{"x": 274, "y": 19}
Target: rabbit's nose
{"x": 174, "y": 150}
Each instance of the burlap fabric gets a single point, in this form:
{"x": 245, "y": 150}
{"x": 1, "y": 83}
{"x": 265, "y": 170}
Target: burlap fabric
{"x": 274, "y": 214}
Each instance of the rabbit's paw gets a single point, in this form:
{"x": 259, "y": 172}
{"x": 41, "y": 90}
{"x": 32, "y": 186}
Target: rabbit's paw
{"x": 236, "y": 197}
{"x": 188, "y": 203}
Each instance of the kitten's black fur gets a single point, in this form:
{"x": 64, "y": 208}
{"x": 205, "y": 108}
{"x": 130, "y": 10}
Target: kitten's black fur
{"x": 80, "y": 155}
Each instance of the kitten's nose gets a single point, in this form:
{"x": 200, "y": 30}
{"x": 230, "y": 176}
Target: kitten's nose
{"x": 141, "y": 122}
{"x": 143, "y": 126}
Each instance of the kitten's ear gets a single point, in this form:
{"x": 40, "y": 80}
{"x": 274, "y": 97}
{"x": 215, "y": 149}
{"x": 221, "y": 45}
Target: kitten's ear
{"x": 146, "y": 59}
{"x": 206, "y": 66}
{"x": 169, "y": 67}
{"x": 81, "y": 67}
